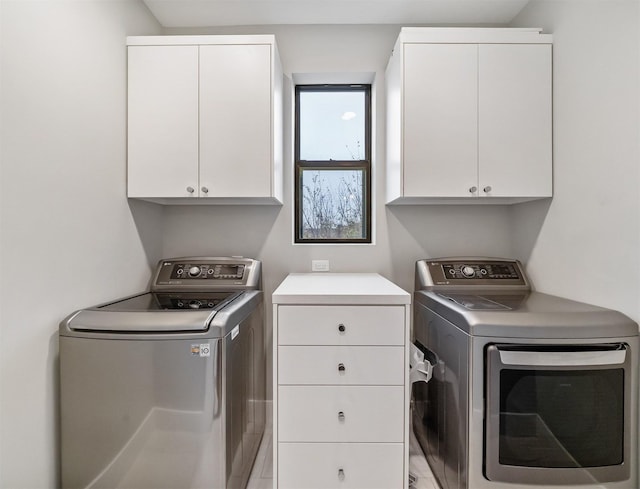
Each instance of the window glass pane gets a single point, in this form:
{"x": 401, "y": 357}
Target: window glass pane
{"x": 332, "y": 204}
{"x": 332, "y": 125}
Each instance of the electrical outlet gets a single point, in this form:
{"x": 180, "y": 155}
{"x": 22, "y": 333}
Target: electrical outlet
{"x": 319, "y": 265}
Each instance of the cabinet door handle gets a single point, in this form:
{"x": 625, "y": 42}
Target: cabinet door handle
{"x": 341, "y": 367}
{"x": 205, "y": 190}
{"x": 340, "y": 474}
{"x": 341, "y": 416}
{"x": 342, "y": 328}
{"x": 191, "y": 190}
{"x": 473, "y": 190}
{"x": 487, "y": 189}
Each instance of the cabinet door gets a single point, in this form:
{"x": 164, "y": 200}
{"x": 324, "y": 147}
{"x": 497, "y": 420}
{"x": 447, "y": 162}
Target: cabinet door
{"x": 162, "y": 121}
{"x": 515, "y": 120}
{"x": 440, "y": 120}
{"x": 235, "y": 120}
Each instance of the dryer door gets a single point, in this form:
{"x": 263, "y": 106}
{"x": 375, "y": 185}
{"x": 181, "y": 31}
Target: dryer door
{"x": 557, "y": 414}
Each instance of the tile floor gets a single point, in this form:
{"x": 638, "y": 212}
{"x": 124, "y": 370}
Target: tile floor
{"x": 262, "y": 474}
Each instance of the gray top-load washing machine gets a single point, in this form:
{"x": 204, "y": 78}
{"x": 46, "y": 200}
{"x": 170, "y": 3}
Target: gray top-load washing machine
{"x": 528, "y": 390}
{"x": 166, "y": 389}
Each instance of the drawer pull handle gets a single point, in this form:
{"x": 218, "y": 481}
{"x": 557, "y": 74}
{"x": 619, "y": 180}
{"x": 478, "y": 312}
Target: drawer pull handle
{"x": 342, "y": 328}
{"x": 340, "y": 474}
{"x": 341, "y": 416}
{"x": 341, "y": 367}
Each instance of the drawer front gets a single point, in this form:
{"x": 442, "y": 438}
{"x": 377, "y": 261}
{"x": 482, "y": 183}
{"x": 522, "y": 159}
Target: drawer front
{"x": 340, "y": 466}
{"x": 341, "y": 325}
{"x": 341, "y": 414}
{"x": 341, "y": 365}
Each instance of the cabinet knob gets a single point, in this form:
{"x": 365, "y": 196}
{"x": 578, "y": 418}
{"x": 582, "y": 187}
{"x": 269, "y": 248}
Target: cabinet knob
{"x": 205, "y": 190}
{"x": 340, "y": 474}
{"x": 341, "y": 367}
{"x": 487, "y": 189}
{"x": 342, "y": 328}
{"x": 341, "y": 416}
{"x": 473, "y": 190}
{"x": 191, "y": 190}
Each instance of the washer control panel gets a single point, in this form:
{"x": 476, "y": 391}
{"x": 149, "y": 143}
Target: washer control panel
{"x": 207, "y": 271}
{"x": 204, "y": 273}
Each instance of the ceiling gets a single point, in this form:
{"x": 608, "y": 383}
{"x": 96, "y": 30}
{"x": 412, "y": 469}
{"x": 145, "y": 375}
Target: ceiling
{"x": 211, "y": 13}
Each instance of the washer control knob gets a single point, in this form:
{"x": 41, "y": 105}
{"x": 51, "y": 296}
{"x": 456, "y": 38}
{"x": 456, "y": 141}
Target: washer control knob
{"x": 194, "y": 271}
{"x": 467, "y": 271}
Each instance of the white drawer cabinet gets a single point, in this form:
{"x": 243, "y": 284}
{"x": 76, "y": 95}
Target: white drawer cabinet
{"x": 469, "y": 116}
{"x": 341, "y": 392}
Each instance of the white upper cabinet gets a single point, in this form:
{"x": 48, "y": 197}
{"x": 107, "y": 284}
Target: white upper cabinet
{"x": 469, "y": 116}
{"x": 205, "y": 119}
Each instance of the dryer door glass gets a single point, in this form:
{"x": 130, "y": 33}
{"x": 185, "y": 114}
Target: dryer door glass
{"x": 561, "y": 419}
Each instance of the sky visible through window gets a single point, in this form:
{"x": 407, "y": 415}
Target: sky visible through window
{"x": 332, "y": 128}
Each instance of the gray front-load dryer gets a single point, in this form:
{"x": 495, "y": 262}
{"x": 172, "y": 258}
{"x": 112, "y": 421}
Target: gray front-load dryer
{"x": 528, "y": 390}
{"x": 166, "y": 389}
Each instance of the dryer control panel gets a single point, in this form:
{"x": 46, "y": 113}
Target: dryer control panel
{"x": 487, "y": 271}
{"x": 470, "y": 273}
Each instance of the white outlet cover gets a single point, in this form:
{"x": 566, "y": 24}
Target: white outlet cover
{"x": 319, "y": 265}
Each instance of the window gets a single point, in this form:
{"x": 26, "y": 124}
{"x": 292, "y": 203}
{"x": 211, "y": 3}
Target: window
{"x": 333, "y": 164}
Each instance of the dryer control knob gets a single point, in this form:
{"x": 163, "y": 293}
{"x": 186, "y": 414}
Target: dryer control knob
{"x": 194, "y": 271}
{"x": 468, "y": 271}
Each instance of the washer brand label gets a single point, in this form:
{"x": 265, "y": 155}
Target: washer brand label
{"x": 235, "y": 332}
{"x": 201, "y": 350}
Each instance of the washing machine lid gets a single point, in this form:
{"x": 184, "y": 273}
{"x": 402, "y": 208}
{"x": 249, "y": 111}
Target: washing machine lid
{"x": 154, "y": 312}
{"x": 124, "y": 320}
{"x": 189, "y": 295}
{"x": 526, "y": 315}
{"x": 165, "y": 301}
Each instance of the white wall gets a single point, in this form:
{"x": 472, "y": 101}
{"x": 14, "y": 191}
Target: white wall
{"x": 69, "y": 238}
{"x": 585, "y": 245}
{"x": 403, "y": 234}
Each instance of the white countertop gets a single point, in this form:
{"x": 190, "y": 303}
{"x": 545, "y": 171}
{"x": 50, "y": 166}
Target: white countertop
{"x": 339, "y": 288}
